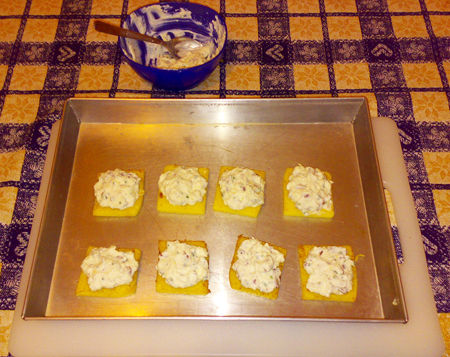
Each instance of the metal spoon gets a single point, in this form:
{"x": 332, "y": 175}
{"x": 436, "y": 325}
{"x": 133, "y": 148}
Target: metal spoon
{"x": 174, "y": 46}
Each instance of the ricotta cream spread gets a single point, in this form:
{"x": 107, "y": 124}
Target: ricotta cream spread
{"x": 242, "y": 187}
{"x": 182, "y": 264}
{"x": 188, "y": 58}
{"x": 117, "y": 189}
{"x": 330, "y": 270}
{"x": 309, "y": 189}
{"x": 108, "y": 268}
{"x": 257, "y": 266}
{"x": 183, "y": 186}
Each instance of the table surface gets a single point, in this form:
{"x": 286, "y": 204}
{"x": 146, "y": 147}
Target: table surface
{"x": 396, "y": 53}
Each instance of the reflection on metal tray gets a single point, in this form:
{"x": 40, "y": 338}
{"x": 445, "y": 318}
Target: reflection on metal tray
{"x": 271, "y": 135}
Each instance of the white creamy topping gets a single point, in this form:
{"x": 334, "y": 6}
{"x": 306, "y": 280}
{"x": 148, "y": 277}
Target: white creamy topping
{"x": 182, "y": 264}
{"x": 108, "y": 268}
{"x": 330, "y": 271}
{"x": 188, "y": 58}
{"x": 257, "y": 266}
{"x": 183, "y": 186}
{"x": 196, "y": 56}
{"x": 242, "y": 187}
{"x": 117, "y": 189}
{"x": 309, "y": 189}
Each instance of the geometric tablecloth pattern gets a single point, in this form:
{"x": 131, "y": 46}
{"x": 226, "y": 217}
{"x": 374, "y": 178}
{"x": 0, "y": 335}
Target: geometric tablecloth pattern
{"x": 396, "y": 53}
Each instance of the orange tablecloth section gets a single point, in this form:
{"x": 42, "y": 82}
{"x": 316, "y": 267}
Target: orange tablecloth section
{"x": 396, "y": 53}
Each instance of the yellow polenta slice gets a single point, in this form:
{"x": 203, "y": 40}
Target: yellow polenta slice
{"x": 303, "y": 252}
{"x": 162, "y": 286}
{"x": 163, "y": 204}
{"x": 219, "y": 204}
{"x": 290, "y": 209}
{"x": 119, "y": 291}
{"x": 236, "y": 284}
{"x": 127, "y": 212}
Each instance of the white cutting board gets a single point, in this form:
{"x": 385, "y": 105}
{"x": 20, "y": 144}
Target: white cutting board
{"x": 421, "y": 336}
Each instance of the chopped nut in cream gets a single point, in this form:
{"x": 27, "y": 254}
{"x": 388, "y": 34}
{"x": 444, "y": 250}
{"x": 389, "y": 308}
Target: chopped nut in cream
{"x": 258, "y": 265}
{"x": 309, "y": 189}
{"x": 241, "y": 187}
{"x": 330, "y": 270}
{"x": 183, "y": 186}
{"x": 109, "y": 267}
{"x": 182, "y": 264}
{"x": 117, "y": 189}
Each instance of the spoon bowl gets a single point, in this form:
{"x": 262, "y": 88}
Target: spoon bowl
{"x": 176, "y": 46}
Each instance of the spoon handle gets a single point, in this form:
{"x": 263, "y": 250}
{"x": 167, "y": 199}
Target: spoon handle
{"x": 105, "y": 27}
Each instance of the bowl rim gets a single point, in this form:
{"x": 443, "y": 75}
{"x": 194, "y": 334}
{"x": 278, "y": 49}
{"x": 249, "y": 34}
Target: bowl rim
{"x": 221, "y": 18}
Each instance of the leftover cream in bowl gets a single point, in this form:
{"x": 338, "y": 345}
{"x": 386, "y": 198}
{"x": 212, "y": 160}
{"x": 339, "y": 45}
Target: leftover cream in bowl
{"x": 167, "y": 21}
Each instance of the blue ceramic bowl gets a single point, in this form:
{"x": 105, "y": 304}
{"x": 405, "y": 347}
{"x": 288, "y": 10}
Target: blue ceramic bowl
{"x": 166, "y": 21}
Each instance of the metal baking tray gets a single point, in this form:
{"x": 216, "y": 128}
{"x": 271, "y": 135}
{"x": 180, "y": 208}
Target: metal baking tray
{"x": 334, "y": 135}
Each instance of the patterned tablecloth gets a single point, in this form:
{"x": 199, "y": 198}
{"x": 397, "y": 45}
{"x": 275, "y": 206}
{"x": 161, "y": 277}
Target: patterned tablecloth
{"x": 396, "y": 53}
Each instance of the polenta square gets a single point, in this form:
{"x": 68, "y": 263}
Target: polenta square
{"x": 241, "y": 193}
{"x": 289, "y": 206}
{"x": 182, "y": 190}
{"x": 183, "y": 268}
{"x": 124, "y": 192}
{"x": 350, "y": 296}
{"x": 99, "y": 267}
{"x": 249, "y": 275}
